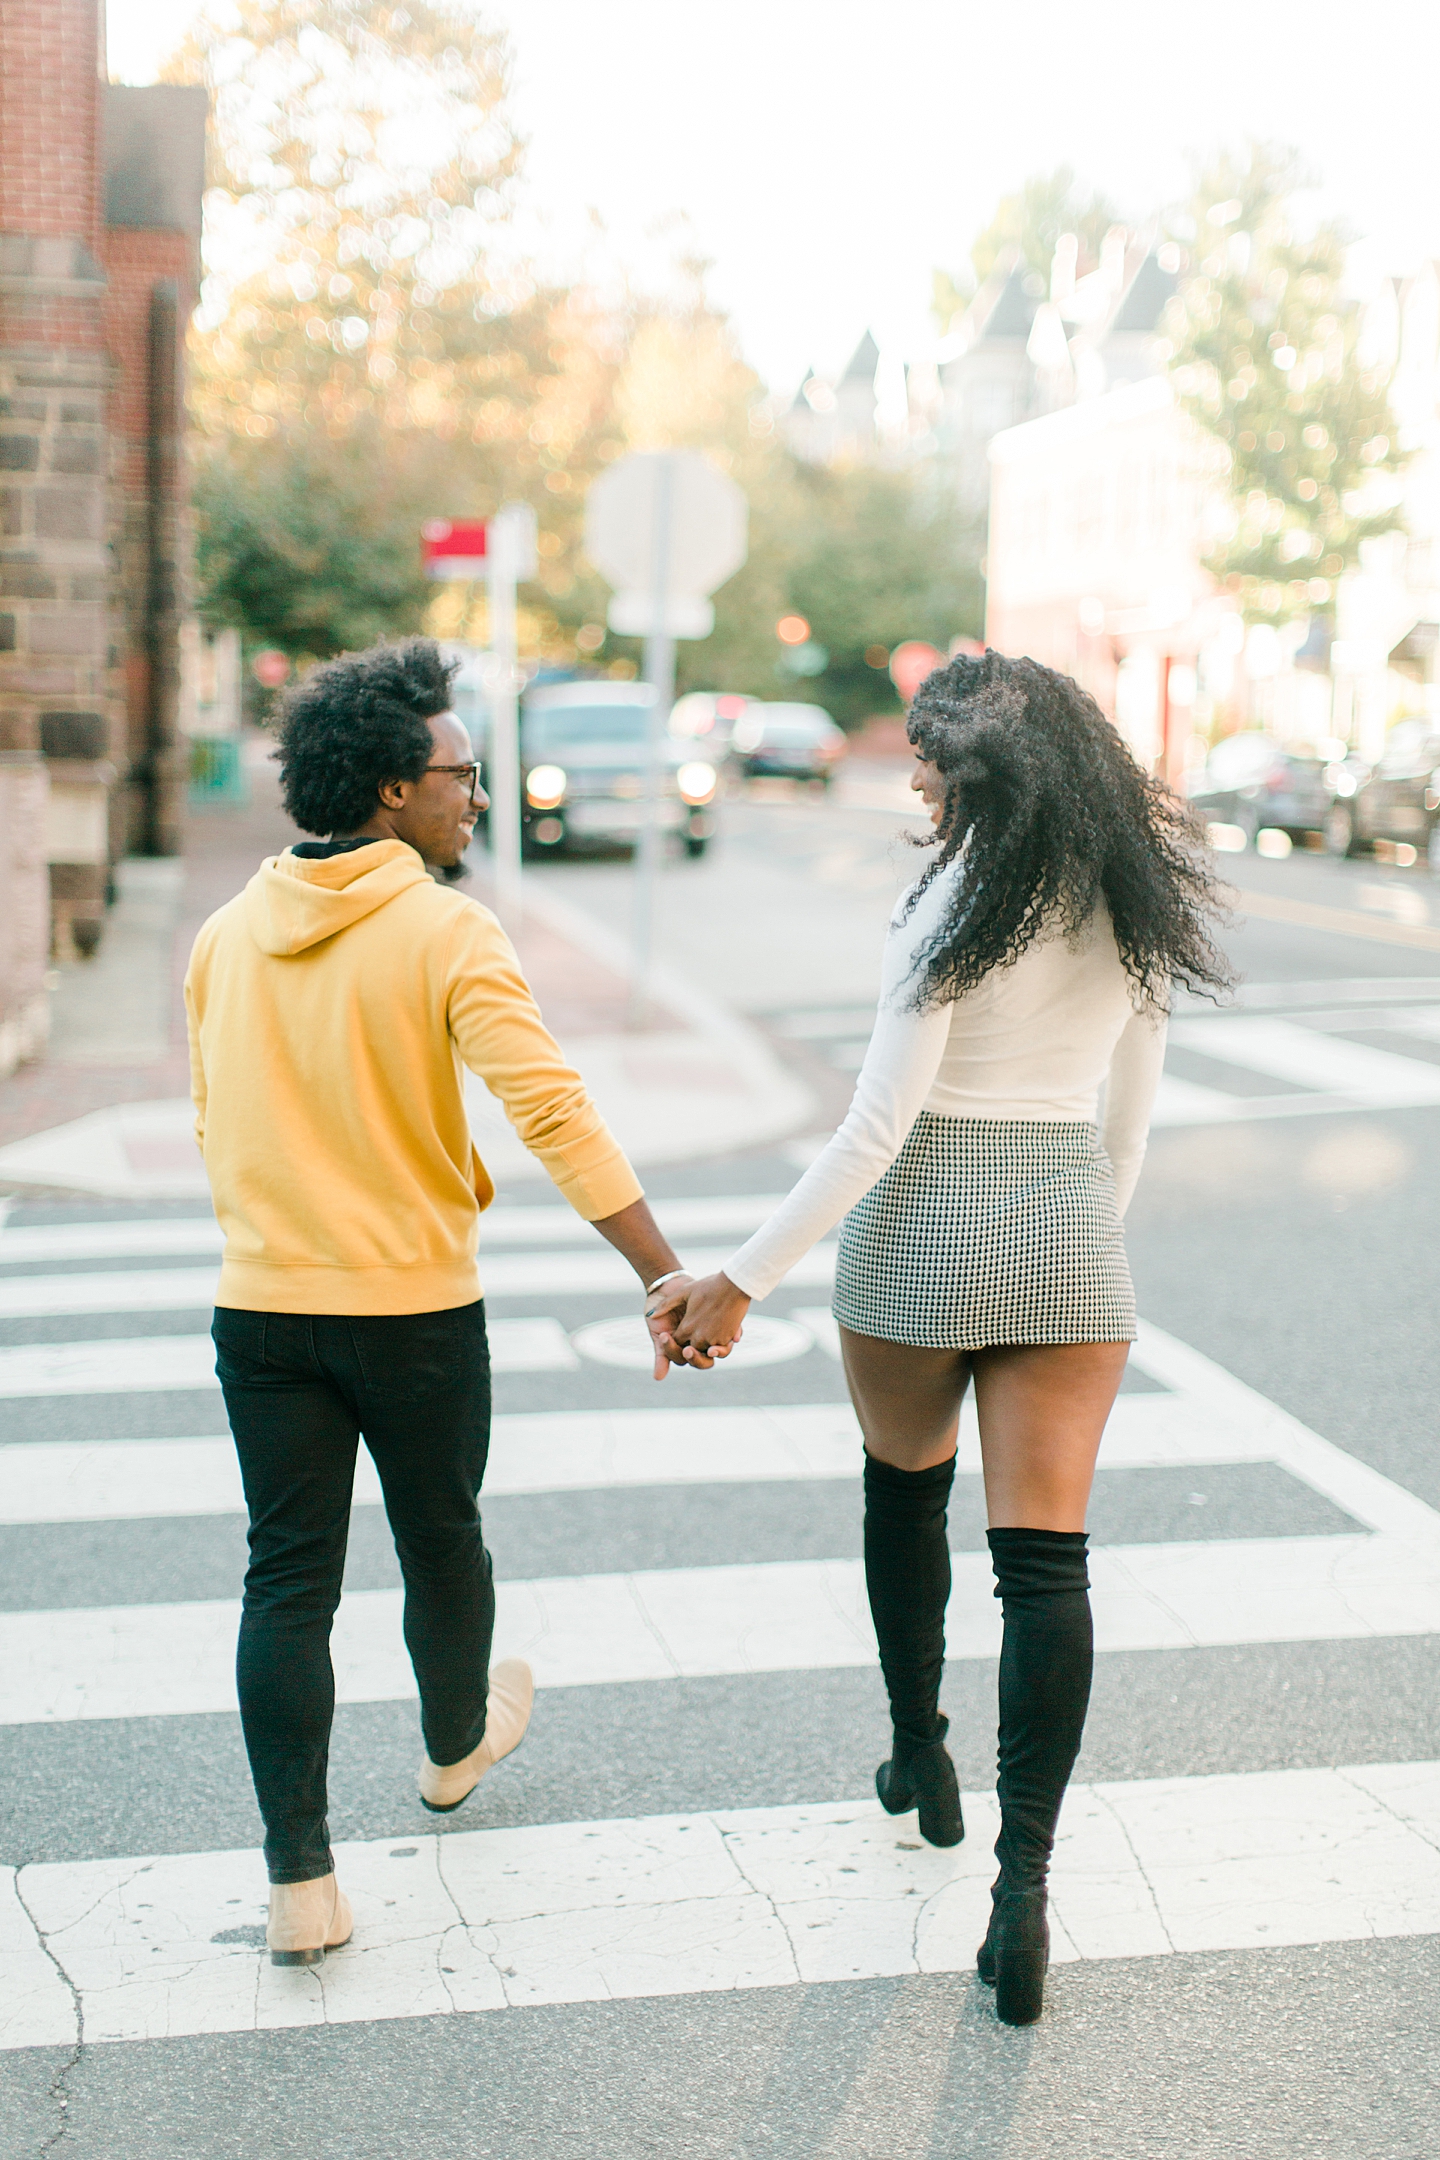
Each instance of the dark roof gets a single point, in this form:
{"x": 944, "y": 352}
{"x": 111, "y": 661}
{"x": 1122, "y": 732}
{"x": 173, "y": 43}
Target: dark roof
{"x": 155, "y": 155}
{"x": 1144, "y": 304}
{"x": 1014, "y": 311}
{"x": 863, "y": 361}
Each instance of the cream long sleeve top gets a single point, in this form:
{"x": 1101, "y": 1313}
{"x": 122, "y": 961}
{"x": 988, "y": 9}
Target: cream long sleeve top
{"x": 1036, "y": 1040}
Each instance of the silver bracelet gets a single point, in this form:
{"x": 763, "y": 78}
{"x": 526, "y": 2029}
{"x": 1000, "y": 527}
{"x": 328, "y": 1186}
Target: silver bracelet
{"x": 651, "y": 1288}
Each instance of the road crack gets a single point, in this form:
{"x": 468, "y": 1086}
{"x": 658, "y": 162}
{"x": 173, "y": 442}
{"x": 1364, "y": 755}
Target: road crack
{"x": 58, "y": 2093}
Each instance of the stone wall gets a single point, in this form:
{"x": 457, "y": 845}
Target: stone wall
{"x": 24, "y": 910}
{"x": 99, "y": 233}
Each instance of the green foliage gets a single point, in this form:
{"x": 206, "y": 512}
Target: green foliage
{"x": 377, "y": 354}
{"x": 869, "y": 557}
{"x": 298, "y": 542}
{"x": 362, "y": 169}
{"x": 1028, "y": 222}
{"x": 1266, "y": 359}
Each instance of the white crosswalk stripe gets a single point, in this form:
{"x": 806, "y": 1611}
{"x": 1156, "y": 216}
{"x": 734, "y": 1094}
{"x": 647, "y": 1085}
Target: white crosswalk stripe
{"x": 162, "y": 1364}
{"x": 683, "y": 1904}
{"x": 687, "y": 1623}
{"x": 469, "y": 1920}
{"x": 1206, "y": 1417}
{"x": 505, "y": 1275}
{"x": 1326, "y": 1074}
{"x": 735, "y": 1213}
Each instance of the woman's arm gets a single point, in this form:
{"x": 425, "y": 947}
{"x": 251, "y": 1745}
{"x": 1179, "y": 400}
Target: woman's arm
{"x": 1130, "y": 1097}
{"x": 899, "y": 1071}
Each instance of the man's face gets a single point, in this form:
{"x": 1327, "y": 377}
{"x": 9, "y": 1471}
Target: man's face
{"x": 436, "y": 813}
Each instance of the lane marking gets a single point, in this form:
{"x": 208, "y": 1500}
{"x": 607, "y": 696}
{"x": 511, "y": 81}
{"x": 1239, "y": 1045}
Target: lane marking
{"x": 1380, "y": 1079}
{"x": 484, "y": 1920}
{"x": 1206, "y": 1417}
{"x": 513, "y": 1274}
{"x": 173, "y": 1660}
{"x": 160, "y": 1364}
{"x": 541, "y": 1225}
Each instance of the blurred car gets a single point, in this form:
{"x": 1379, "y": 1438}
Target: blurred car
{"x": 1398, "y": 799}
{"x": 708, "y": 717}
{"x": 1251, "y": 782}
{"x": 583, "y": 753}
{"x": 790, "y": 742}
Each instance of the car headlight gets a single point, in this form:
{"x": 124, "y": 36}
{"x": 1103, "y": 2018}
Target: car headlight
{"x": 545, "y": 787}
{"x": 696, "y": 782}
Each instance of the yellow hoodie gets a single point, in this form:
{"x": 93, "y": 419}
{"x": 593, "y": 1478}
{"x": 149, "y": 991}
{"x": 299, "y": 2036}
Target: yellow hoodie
{"x": 331, "y": 1007}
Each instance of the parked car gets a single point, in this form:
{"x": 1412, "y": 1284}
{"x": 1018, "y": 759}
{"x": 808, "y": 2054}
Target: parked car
{"x": 1251, "y": 781}
{"x": 583, "y": 750}
{"x": 1398, "y": 799}
{"x": 708, "y": 717}
{"x": 791, "y": 742}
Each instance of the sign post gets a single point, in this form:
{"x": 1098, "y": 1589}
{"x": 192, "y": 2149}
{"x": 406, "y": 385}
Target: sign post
{"x": 502, "y": 550}
{"x": 666, "y": 529}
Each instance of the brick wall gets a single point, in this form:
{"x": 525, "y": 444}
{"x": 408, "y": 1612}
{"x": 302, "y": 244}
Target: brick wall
{"x": 51, "y": 56}
{"x": 93, "y": 529}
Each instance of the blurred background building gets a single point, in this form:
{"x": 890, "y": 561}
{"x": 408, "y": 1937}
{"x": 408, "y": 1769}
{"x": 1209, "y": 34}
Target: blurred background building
{"x": 100, "y": 192}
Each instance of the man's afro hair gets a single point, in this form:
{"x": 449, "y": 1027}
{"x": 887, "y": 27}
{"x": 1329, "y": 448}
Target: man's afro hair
{"x": 354, "y": 723}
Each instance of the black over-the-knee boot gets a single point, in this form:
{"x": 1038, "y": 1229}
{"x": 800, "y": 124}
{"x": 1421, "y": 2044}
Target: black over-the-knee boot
{"x": 1046, "y": 1660}
{"x": 907, "y": 1572}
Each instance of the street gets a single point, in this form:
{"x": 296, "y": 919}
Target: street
{"x": 677, "y": 1922}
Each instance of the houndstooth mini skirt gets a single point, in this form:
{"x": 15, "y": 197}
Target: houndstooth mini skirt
{"x": 986, "y": 1231}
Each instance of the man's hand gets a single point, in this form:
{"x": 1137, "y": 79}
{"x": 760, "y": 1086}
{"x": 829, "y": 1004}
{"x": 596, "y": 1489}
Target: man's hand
{"x": 711, "y": 1323}
{"x": 660, "y": 1314}
{"x": 634, "y": 1232}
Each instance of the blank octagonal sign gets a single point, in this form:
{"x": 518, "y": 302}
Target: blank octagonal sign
{"x": 627, "y": 509}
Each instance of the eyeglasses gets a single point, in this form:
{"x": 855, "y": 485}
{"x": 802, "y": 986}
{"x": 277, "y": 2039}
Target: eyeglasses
{"x": 469, "y": 773}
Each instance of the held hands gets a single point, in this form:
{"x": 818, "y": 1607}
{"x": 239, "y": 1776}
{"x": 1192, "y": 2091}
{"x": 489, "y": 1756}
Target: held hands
{"x": 695, "y": 1323}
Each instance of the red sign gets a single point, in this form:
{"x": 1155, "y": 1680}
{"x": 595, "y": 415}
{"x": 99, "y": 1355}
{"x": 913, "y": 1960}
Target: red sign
{"x": 910, "y": 664}
{"x": 453, "y": 547}
{"x": 270, "y": 669}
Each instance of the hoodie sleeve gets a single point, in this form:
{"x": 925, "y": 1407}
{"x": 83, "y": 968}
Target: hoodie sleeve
{"x": 498, "y": 1030}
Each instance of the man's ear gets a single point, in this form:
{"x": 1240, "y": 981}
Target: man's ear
{"x": 391, "y": 795}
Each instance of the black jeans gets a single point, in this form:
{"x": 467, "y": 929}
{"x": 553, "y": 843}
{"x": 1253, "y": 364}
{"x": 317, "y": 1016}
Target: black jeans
{"x": 300, "y": 1389}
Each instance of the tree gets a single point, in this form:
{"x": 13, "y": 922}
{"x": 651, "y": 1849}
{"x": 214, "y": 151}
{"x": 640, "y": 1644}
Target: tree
{"x": 371, "y": 316}
{"x": 1266, "y": 360}
{"x": 296, "y": 542}
{"x": 1030, "y": 221}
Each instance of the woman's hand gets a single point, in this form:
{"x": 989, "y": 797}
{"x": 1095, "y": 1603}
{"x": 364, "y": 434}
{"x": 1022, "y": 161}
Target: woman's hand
{"x": 710, "y": 1325}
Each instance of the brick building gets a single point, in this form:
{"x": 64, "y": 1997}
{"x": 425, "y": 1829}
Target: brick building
{"x": 100, "y": 189}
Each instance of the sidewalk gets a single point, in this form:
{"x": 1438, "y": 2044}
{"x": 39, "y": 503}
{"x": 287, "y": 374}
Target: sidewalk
{"x": 108, "y": 1111}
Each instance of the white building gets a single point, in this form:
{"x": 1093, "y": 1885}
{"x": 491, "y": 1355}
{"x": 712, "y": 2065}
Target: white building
{"x": 1386, "y": 656}
{"x": 1100, "y": 517}
{"x": 1026, "y": 346}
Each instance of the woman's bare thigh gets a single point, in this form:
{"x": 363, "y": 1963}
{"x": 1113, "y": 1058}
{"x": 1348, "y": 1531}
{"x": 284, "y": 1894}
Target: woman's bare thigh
{"x": 1042, "y": 1409}
{"x": 906, "y": 1399}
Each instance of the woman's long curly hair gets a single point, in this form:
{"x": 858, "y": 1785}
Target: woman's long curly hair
{"x": 1053, "y": 815}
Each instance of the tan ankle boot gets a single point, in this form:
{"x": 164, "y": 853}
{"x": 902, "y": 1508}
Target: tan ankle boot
{"x": 306, "y": 1920}
{"x": 512, "y": 1691}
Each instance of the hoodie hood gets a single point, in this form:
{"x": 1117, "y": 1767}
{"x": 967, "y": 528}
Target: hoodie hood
{"x": 291, "y": 904}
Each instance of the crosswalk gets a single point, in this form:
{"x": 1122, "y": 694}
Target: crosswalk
{"x": 479, "y": 1916}
{"x": 1291, "y": 1050}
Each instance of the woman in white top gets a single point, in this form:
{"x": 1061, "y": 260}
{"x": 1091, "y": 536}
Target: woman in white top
{"x": 1027, "y": 970}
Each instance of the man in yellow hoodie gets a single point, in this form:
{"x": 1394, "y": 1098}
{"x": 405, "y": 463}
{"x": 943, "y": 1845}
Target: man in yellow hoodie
{"x": 333, "y": 1006}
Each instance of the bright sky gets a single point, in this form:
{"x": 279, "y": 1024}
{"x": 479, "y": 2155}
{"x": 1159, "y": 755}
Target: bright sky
{"x": 825, "y": 155}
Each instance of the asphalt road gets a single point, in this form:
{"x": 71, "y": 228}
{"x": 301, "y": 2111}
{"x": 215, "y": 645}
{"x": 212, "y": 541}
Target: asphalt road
{"x": 1283, "y": 1229}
